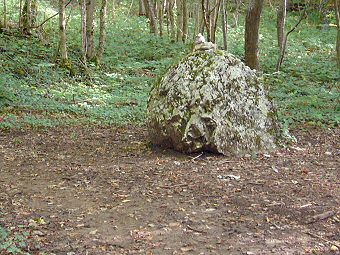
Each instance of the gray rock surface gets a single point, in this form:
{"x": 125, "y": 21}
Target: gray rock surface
{"x": 211, "y": 101}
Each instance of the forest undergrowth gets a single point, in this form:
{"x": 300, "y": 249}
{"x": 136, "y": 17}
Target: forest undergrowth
{"x": 36, "y": 92}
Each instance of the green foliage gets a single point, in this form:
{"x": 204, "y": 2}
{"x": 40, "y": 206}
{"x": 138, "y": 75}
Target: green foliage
{"x": 13, "y": 242}
{"x": 34, "y": 91}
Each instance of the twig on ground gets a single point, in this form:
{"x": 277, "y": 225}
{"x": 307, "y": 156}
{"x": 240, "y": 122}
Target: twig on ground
{"x": 199, "y": 155}
{"x": 336, "y": 243}
{"x": 173, "y": 186}
{"x": 196, "y": 230}
{"x": 321, "y": 216}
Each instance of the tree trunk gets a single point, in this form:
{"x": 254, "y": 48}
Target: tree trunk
{"x": 34, "y": 13}
{"x": 83, "y": 29}
{"x": 281, "y": 22}
{"x": 337, "y": 10}
{"x": 26, "y": 15}
{"x": 237, "y": 13}
{"x": 225, "y": 25}
{"x": 172, "y": 20}
{"x": 179, "y": 35}
{"x": 206, "y": 18}
{"x": 5, "y": 14}
{"x": 20, "y": 15}
{"x": 141, "y": 11}
{"x": 62, "y": 33}
{"x": 214, "y": 20}
{"x": 90, "y": 53}
{"x": 185, "y": 21}
{"x": 161, "y": 17}
{"x": 102, "y": 33}
{"x": 197, "y": 20}
{"x": 252, "y": 34}
{"x": 151, "y": 16}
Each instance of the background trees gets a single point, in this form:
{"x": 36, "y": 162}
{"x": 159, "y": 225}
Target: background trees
{"x": 179, "y": 20}
{"x": 111, "y": 75}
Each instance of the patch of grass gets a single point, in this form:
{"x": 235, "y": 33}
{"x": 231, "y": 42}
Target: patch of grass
{"x": 34, "y": 91}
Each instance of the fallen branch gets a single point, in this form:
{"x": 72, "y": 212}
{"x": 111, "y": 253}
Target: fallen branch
{"x": 336, "y": 243}
{"x": 173, "y": 186}
{"x": 196, "y": 230}
{"x": 321, "y": 216}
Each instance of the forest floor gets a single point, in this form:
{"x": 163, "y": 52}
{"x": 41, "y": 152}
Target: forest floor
{"x": 95, "y": 191}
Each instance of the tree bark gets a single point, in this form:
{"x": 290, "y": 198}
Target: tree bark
{"x": 151, "y": 16}
{"x": 172, "y": 20}
{"x": 197, "y": 20}
{"x": 102, "y": 32}
{"x": 337, "y": 10}
{"x": 83, "y": 29}
{"x": 90, "y": 53}
{"x": 206, "y": 17}
{"x": 179, "y": 35}
{"x": 5, "y": 14}
{"x": 62, "y": 33}
{"x": 141, "y": 10}
{"x": 215, "y": 19}
{"x": 20, "y": 14}
{"x": 252, "y": 34}
{"x": 34, "y": 13}
{"x": 185, "y": 21}
{"x": 161, "y": 17}
{"x": 281, "y": 22}
{"x": 26, "y": 15}
{"x": 225, "y": 25}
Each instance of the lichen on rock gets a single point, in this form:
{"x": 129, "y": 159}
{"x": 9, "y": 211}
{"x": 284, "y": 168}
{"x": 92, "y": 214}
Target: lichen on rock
{"x": 211, "y": 101}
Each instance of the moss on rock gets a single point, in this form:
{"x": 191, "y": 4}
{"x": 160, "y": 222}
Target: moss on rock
{"x": 212, "y": 101}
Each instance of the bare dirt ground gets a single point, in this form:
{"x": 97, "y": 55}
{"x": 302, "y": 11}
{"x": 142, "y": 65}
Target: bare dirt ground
{"x": 106, "y": 191}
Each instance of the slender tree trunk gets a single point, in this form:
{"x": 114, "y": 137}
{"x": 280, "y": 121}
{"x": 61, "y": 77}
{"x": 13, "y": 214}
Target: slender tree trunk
{"x": 225, "y": 25}
{"x": 252, "y": 34}
{"x": 83, "y": 29}
{"x": 281, "y": 22}
{"x": 237, "y": 13}
{"x": 337, "y": 10}
{"x": 161, "y": 17}
{"x": 151, "y": 16}
{"x": 215, "y": 19}
{"x": 102, "y": 33}
{"x": 5, "y": 14}
{"x": 179, "y": 35}
{"x": 197, "y": 20}
{"x": 185, "y": 21}
{"x": 62, "y": 33}
{"x": 172, "y": 20}
{"x": 90, "y": 53}
{"x": 206, "y": 18}
{"x": 285, "y": 40}
{"x": 20, "y": 15}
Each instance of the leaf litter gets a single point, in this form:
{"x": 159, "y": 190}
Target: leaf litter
{"x": 109, "y": 192}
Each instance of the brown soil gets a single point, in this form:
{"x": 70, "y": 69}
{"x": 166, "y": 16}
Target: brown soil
{"x": 105, "y": 191}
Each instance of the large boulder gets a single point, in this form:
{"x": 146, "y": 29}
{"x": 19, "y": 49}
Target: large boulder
{"x": 211, "y": 101}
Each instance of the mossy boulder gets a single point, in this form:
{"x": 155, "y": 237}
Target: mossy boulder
{"x": 211, "y": 101}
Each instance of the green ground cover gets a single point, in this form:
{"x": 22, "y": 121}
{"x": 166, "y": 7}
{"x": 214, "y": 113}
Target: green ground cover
{"x": 35, "y": 92}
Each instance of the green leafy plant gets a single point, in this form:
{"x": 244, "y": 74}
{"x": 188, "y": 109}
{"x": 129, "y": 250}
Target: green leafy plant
{"x": 12, "y": 242}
